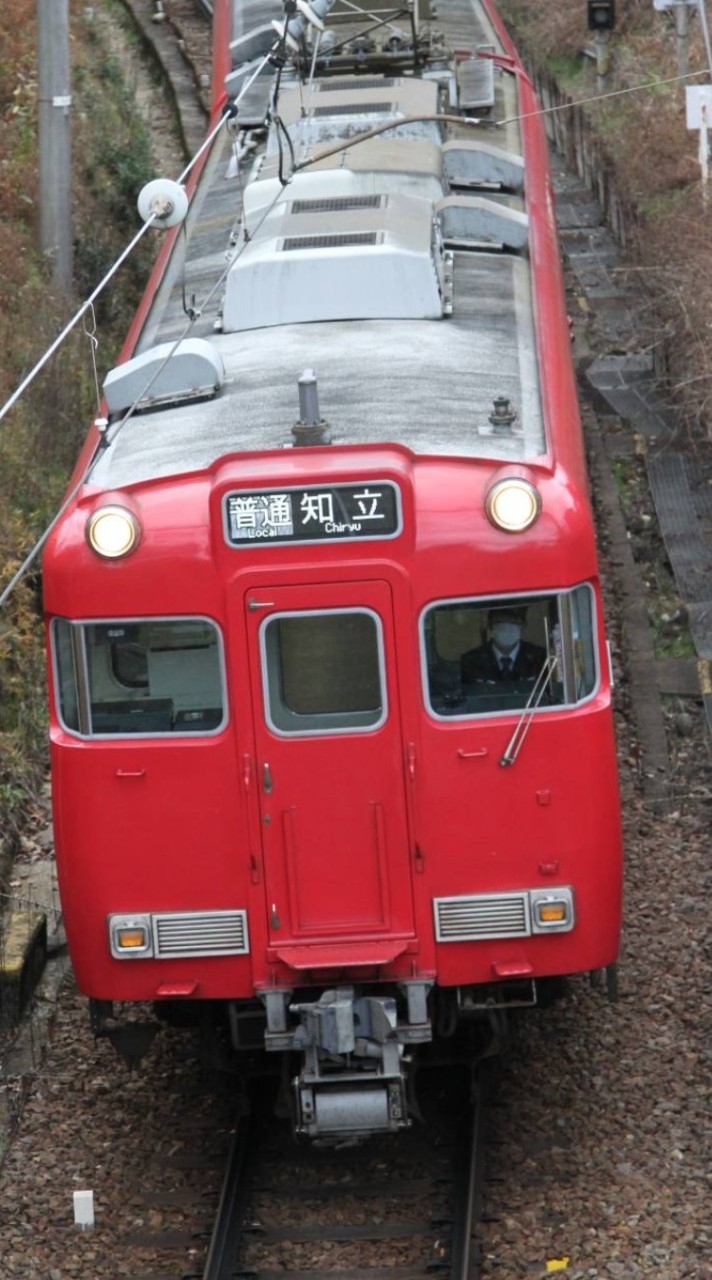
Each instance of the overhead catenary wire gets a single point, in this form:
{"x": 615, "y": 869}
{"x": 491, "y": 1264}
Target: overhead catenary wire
{"x": 82, "y": 311}
{"x": 75, "y": 318}
{"x": 108, "y": 437}
{"x": 150, "y": 221}
{"x": 602, "y": 97}
{"x": 385, "y": 126}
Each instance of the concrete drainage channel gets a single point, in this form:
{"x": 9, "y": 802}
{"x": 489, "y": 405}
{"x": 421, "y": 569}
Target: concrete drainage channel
{"x": 33, "y": 966}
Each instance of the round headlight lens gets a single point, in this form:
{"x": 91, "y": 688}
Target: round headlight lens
{"x": 113, "y": 532}
{"x": 513, "y": 505}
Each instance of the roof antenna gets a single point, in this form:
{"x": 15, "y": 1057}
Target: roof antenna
{"x": 311, "y": 428}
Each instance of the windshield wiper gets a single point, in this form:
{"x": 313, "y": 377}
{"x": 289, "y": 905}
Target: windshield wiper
{"x": 521, "y": 730}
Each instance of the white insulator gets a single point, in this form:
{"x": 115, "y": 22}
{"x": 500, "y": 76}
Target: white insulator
{"x": 164, "y": 201}
{"x": 289, "y": 40}
{"x": 314, "y": 13}
{"x": 310, "y": 14}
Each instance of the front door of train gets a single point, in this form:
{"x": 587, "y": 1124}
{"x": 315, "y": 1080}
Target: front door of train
{"x": 330, "y": 763}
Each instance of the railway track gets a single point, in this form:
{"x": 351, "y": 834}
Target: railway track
{"x": 400, "y": 1208}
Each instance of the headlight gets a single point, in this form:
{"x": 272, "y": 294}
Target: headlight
{"x": 112, "y": 532}
{"x": 513, "y": 504}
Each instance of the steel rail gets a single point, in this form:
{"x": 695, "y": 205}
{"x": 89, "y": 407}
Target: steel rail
{"x": 227, "y": 1231}
{"x": 462, "y": 1264}
{"x": 232, "y": 1220}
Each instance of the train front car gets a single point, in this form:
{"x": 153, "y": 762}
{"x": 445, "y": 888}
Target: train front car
{"x": 331, "y": 721}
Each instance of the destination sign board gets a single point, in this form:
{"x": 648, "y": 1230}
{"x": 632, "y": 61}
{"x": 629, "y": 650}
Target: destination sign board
{"x": 313, "y": 513}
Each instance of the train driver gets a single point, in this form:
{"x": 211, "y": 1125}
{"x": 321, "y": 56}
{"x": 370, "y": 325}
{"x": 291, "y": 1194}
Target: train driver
{"x": 504, "y": 656}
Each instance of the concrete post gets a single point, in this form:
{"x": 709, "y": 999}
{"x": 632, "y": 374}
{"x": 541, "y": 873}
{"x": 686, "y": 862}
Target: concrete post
{"x": 55, "y": 139}
{"x": 603, "y": 60}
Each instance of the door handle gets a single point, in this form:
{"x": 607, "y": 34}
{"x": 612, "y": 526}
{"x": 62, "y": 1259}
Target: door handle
{"x": 260, "y": 604}
{"x": 266, "y": 779}
{"x": 472, "y": 755}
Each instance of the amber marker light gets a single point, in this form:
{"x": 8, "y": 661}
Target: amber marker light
{"x": 128, "y": 939}
{"x": 513, "y": 504}
{"x": 130, "y": 936}
{"x": 552, "y": 911}
{"x": 112, "y": 532}
{"x": 554, "y": 914}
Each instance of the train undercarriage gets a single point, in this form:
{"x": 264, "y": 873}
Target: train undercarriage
{"x": 347, "y": 1057}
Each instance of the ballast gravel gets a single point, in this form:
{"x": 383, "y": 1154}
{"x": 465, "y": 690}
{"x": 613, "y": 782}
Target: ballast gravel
{"x": 601, "y": 1156}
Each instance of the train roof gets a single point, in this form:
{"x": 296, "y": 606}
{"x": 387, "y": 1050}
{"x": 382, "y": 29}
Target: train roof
{"x": 399, "y": 271}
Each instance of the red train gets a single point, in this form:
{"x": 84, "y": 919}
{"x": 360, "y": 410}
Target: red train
{"x": 332, "y": 747}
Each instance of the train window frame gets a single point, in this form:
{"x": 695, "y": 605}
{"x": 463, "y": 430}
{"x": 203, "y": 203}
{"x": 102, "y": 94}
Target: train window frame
{"x": 327, "y": 726}
{"x": 78, "y": 645}
{"x": 522, "y": 600}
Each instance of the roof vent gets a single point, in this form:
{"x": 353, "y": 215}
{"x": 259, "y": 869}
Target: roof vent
{"x": 477, "y": 220}
{"x": 336, "y": 204}
{"x": 356, "y": 82}
{"x": 355, "y": 109}
{"x": 345, "y": 240}
{"x": 371, "y": 264}
{"x": 472, "y": 162}
{"x": 167, "y": 374}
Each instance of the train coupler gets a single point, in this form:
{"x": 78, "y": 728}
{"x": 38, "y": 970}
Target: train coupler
{"x": 353, "y": 1080}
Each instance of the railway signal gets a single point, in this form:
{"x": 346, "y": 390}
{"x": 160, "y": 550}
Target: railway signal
{"x": 601, "y": 20}
{"x": 601, "y": 15}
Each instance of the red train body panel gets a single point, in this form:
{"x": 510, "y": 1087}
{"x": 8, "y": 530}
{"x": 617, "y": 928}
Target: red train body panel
{"x": 328, "y": 787}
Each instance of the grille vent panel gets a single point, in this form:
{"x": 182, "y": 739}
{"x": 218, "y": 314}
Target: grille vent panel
{"x": 501, "y": 915}
{"x": 345, "y": 241}
{"x": 336, "y": 204}
{"x": 355, "y": 109}
{"x": 204, "y": 933}
{"x": 356, "y": 82}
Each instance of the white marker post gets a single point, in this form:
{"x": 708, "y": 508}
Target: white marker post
{"x": 699, "y": 116}
{"x": 84, "y": 1209}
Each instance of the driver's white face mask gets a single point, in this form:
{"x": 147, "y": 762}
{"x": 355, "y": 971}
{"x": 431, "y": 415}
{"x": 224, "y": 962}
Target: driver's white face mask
{"x": 506, "y": 635}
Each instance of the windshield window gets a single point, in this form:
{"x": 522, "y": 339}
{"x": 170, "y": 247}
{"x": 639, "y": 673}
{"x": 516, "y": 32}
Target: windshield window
{"x": 154, "y": 676}
{"x": 485, "y": 656}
